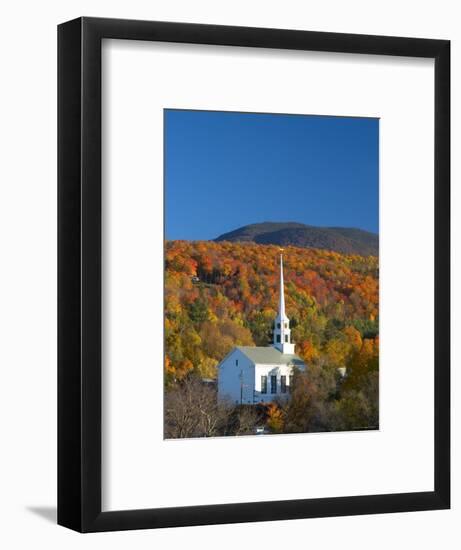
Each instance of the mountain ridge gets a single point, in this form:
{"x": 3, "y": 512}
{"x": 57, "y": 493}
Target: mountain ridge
{"x": 345, "y": 240}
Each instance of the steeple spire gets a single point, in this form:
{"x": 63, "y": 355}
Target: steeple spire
{"x": 282, "y": 291}
{"x": 282, "y": 332}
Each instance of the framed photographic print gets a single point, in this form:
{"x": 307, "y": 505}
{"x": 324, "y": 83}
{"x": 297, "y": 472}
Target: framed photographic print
{"x": 253, "y": 274}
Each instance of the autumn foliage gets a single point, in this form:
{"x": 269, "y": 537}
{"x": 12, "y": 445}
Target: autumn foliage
{"x": 218, "y": 295}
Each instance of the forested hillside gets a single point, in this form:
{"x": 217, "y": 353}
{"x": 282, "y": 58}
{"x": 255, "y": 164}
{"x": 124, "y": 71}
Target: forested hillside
{"x": 346, "y": 240}
{"x": 218, "y": 295}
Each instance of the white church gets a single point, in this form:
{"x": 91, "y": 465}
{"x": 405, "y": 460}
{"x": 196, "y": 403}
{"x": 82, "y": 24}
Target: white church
{"x": 257, "y": 374}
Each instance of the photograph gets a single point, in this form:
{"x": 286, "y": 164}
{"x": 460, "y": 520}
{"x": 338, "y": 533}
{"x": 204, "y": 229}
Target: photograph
{"x": 230, "y": 308}
{"x": 271, "y": 304}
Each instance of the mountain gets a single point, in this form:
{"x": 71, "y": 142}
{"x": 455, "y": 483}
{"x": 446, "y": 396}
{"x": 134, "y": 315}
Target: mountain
{"x": 346, "y": 240}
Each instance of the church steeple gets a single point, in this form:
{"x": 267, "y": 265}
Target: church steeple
{"x": 282, "y": 332}
{"x": 281, "y": 291}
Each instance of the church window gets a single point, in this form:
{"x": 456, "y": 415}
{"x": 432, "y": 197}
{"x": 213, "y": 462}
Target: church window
{"x": 283, "y": 384}
{"x": 286, "y": 337}
{"x": 237, "y": 362}
{"x": 263, "y": 384}
{"x": 278, "y": 338}
{"x": 274, "y": 384}
{"x": 286, "y": 325}
{"x": 278, "y": 325}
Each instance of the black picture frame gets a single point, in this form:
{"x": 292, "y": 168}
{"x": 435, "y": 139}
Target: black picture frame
{"x": 79, "y": 274}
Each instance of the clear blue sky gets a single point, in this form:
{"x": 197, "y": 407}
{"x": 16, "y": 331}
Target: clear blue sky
{"x": 225, "y": 170}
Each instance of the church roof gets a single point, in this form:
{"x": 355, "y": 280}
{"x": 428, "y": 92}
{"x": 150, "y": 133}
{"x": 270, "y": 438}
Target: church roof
{"x": 269, "y": 355}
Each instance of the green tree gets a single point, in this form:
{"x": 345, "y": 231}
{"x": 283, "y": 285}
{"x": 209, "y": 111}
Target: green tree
{"x": 198, "y": 311}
